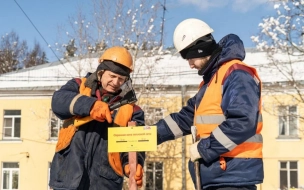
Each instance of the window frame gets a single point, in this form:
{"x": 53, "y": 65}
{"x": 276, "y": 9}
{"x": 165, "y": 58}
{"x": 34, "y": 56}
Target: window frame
{"x": 288, "y": 169}
{"x": 154, "y": 112}
{"x": 49, "y": 176}
{"x": 59, "y": 123}
{"x": 11, "y": 170}
{"x": 13, "y": 117}
{"x": 286, "y": 113}
{"x": 154, "y": 170}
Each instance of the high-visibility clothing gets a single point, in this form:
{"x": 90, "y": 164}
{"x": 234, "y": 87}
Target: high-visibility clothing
{"x": 84, "y": 162}
{"x": 233, "y": 116}
{"x": 209, "y": 115}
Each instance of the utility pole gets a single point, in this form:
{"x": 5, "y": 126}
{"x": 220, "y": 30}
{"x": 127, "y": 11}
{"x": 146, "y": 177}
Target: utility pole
{"x": 163, "y": 23}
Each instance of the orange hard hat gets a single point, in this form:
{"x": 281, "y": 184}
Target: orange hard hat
{"x": 119, "y": 55}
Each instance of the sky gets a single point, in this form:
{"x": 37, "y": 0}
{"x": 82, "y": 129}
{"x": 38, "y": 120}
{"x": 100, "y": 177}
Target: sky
{"x": 241, "y": 17}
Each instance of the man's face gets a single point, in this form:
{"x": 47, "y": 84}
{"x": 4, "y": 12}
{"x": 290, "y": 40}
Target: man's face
{"x": 198, "y": 63}
{"x": 110, "y": 81}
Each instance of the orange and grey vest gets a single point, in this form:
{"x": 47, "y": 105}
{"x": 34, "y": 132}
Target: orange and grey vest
{"x": 209, "y": 115}
{"x": 122, "y": 117}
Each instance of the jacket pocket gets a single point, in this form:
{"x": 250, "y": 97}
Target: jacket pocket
{"x": 107, "y": 172}
{"x": 208, "y": 172}
{"x": 66, "y": 172}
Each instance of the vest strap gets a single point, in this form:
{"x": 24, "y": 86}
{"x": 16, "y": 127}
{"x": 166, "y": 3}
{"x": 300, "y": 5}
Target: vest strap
{"x": 123, "y": 116}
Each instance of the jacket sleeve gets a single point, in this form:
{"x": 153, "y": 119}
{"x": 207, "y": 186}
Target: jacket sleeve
{"x": 68, "y": 102}
{"x": 176, "y": 125}
{"x": 240, "y": 105}
{"x": 139, "y": 117}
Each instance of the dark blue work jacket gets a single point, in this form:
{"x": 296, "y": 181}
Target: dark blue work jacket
{"x": 240, "y": 101}
{"x": 84, "y": 164}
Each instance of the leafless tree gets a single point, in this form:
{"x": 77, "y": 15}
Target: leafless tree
{"x": 135, "y": 25}
{"x": 12, "y": 52}
{"x": 15, "y": 54}
{"x": 282, "y": 37}
{"x": 36, "y": 56}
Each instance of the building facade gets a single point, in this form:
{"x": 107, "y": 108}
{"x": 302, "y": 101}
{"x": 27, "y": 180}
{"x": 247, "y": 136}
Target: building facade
{"x": 29, "y": 129}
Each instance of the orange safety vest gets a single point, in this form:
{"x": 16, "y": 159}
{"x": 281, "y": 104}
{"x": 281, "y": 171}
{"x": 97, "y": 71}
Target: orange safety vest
{"x": 209, "y": 115}
{"x": 122, "y": 117}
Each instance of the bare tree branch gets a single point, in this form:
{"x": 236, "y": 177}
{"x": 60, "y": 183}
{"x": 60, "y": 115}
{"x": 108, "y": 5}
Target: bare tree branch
{"x": 281, "y": 37}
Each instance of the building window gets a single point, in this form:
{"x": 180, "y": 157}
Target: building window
{"x": 49, "y": 176}
{"x": 10, "y": 176}
{"x": 12, "y": 124}
{"x": 55, "y": 125}
{"x": 288, "y": 174}
{"x": 288, "y": 121}
{"x": 154, "y": 176}
{"x": 152, "y": 115}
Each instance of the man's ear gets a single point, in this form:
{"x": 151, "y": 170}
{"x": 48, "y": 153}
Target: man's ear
{"x": 99, "y": 74}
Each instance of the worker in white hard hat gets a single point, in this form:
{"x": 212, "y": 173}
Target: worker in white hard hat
{"x": 225, "y": 112}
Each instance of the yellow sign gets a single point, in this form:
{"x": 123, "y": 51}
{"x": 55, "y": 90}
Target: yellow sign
{"x": 132, "y": 139}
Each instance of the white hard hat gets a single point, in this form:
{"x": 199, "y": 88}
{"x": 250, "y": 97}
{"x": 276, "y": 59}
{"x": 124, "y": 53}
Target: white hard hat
{"x": 188, "y": 31}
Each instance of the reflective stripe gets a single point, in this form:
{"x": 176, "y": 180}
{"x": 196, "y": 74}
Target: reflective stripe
{"x": 256, "y": 80}
{"x": 223, "y": 139}
{"x": 73, "y": 103}
{"x": 215, "y": 119}
{"x": 227, "y": 143}
{"x": 177, "y": 132}
{"x": 209, "y": 119}
{"x": 257, "y": 138}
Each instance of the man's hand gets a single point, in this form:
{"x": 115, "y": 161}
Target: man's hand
{"x": 100, "y": 111}
{"x": 138, "y": 175}
{"x": 194, "y": 154}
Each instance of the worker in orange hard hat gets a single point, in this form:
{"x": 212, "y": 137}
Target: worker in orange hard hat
{"x": 81, "y": 160}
